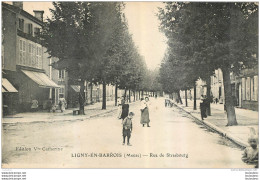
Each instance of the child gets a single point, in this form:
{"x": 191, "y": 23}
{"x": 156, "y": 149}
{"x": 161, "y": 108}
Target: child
{"x": 127, "y": 128}
{"x": 250, "y": 154}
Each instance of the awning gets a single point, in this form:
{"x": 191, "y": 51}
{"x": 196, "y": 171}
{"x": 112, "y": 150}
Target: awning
{"x": 7, "y": 86}
{"x": 75, "y": 88}
{"x": 41, "y": 79}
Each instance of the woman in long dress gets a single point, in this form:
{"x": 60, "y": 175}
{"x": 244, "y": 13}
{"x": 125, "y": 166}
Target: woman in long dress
{"x": 62, "y": 103}
{"x": 145, "y": 112}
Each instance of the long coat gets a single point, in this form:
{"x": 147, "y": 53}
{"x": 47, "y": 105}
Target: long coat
{"x": 125, "y": 111}
{"x": 144, "y": 113}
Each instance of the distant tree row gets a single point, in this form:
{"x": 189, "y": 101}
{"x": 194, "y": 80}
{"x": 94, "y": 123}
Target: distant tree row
{"x": 93, "y": 43}
{"x": 205, "y": 36}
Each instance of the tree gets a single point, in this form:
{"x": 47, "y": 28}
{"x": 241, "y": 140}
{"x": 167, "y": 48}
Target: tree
{"x": 212, "y": 36}
{"x": 79, "y": 34}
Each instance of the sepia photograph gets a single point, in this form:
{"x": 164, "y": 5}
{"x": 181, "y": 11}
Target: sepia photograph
{"x": 140, "y": 85}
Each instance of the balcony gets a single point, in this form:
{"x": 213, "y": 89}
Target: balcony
{"x": 29, "y": 36}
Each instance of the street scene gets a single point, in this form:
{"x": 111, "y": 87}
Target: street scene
{"x": 130, "y": 85}
{"x": 172, "y": 132}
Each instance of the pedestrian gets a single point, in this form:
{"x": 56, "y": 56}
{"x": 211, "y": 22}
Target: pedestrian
{"x": 250, "y": 155}
{"x": 53, "y": 107}
{"x": 145, "y": 119}
{"x": 203, "y": 107}
{"x": 165, "y": 102}
{"x": 62, "y": 103}
{"x": 128, "y": 128}
{"x": 119, "y": 107}
{"x": 34, "y": 106}
{"x": 125, "y": 110}
{"x": 49, "y": 105}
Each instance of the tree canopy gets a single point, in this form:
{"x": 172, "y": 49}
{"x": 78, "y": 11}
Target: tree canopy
{"x": 205, "y": 36}
{"x": 93, "y": 43}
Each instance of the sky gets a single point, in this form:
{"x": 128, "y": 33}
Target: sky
{"x": 143, "y": 25}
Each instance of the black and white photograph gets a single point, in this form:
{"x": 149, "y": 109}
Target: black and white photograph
{"x": 143, "y": 85}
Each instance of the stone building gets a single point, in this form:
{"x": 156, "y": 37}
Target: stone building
{"x": 25, "y": 64}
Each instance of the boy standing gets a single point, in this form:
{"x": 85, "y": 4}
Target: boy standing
{"x": 127, "y": 128}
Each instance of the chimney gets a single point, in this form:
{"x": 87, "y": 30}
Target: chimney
{"x": 38, "y": 14}
{"x": 18, "y": 4}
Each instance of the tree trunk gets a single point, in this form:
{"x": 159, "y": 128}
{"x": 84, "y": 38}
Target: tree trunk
{"x": 134, "y": 96}
{"x": 139, "y": 94}
{"x": 81, "y": 98}
{"x": 142, "y": 94}
{"x": 116, "y": 95}
{"x": 104, "y": 100}
{"x": 179, "y": 97}
{"x": 125, "y": 94}
{"x": 129, "y": 93}
{"x": 86, "y": 93}
{"x": 208, "y": 97}
{"x": 186, "y": 98}
{"x": 91, "y": 93}
{"x": 195, "y": 98}
{"x": 231, "y": 115}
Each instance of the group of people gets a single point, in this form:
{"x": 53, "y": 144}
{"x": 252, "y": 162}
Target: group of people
{"x": 50, "y": 106}
{"x": 126, "y": 117}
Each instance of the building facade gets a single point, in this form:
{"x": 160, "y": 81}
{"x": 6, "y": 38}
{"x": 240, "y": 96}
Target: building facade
{"x": 24, "y": 61}
{"x": 244, "y": 88}
{"x": 217, "y": 86}
{"x": 247, "y": 89}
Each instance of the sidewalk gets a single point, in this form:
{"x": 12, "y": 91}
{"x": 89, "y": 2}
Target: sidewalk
{"x": 218, "y": 121}
{"x": 90, "y": 112}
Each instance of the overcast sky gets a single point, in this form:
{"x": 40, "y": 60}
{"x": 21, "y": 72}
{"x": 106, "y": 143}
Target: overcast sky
{"x": 143, "y": 24}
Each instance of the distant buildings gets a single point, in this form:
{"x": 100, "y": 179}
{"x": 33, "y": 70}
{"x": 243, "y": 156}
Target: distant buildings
{"x": 217, "y": 86}
{"x": 247, "y": 89}
{"x": 244, "y": 88}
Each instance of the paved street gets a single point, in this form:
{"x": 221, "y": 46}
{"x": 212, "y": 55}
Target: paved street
{"x": 171, "y": 133}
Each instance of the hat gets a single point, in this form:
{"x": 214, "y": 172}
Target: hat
{"x": 131, "y": 114}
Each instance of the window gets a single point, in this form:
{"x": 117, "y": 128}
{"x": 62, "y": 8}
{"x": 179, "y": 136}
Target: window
{"x": 252, "y": 93}
{"x": 21, "y": 24}
{"x": 36, "y": 31}
{"x": 22, "y": 52}
{"x": 256, "y": 87}
{"x": 38, "y": 60}
{"x": 30, "y": 54}
{"x": 243, "y": 88}
{"x": 248, "y": 88}
{"x": 33, "y": 54}
{"x": 30, "y": 29}
{"x": 61, "y": 74}
{"x": 29, "y": 59}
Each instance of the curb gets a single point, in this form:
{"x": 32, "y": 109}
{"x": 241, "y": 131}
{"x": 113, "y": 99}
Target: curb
{"x": 78, "y": 119}
{"x": 216, "y": 129}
